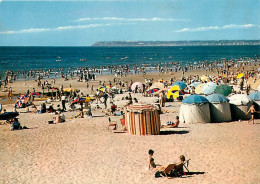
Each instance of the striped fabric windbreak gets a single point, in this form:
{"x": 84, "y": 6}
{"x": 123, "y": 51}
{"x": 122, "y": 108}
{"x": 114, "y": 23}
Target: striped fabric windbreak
{"x": 142, "y": 119}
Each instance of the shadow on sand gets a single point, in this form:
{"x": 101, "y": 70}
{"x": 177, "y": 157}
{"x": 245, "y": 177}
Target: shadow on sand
{"x": 169, "y": 132}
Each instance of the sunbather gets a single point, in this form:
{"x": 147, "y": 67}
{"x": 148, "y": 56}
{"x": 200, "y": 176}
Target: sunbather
{"x": 173, "y": 125}
{"x": 177, "y": 168}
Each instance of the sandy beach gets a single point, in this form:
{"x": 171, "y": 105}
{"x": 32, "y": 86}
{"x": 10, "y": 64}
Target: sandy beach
{"x": 86, "y": 151}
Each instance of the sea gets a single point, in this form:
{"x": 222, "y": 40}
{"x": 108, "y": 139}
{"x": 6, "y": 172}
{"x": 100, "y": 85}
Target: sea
{"x": 27, "y": 58}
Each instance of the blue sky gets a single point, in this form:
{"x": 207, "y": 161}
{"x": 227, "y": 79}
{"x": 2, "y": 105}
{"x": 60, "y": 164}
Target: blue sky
{"x": 82, "y": 23}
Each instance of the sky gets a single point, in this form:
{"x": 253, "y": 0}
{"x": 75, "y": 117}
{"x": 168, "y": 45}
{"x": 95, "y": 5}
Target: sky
{"x": 84, "y": 22}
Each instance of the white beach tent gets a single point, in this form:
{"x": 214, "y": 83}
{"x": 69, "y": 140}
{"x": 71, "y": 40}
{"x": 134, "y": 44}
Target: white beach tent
{"x": 239, "y": 105}
{"x": 195, "y": 109}
{"x": 219, "y": 108}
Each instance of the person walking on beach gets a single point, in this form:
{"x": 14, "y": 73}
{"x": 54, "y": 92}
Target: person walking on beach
{"x": 253, "y": 113}
{"x": 63, "y": 101}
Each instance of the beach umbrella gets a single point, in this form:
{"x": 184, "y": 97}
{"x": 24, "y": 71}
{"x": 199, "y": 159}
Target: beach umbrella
{"x": 35, "y": 94}
{"x": 161, "y": 81}
{"x": 175, "y": 92}
{"x": 195, "y": 84}
{"x": 70, "y": 89}
{"x": 102, "y": 88}
{"x": 55, "y": 89}
{"x": 223, "y": 89}
{"x": 203, "y": 77}
{"x": 83, "y": 100}
{"x": 240, "y": 75}
{"x": 250, "y": 80}
{"x": 216, "y": 98}
{"x": 195, "y": 99}
{"x": 158, "y": 85}
{"x": 198, "y": 89}
{"x": 181, "y": 84}
{"x": 208, "y": 88}
{"x": 255, "y": 96}
{"x": 239, "y": 99}
{"x": 138, "y": 84}
{"x": 154, "y": 90}
{"x": 256, "y": 84}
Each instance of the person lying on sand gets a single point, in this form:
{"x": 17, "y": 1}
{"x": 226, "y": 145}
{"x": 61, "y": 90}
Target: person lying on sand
{"x": 173, "y": 125}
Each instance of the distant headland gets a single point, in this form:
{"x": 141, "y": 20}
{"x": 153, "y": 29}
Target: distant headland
{"x": 175, "y": 43}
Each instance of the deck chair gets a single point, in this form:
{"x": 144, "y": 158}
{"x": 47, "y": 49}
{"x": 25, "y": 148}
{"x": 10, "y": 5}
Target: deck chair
{"x": 166, "y": 171}
{"x": 178, "y": 171}
{"x": 112, "y": 123}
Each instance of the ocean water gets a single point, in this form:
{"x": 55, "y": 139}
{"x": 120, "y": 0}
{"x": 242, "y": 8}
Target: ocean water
{"x": 26, "y": 58}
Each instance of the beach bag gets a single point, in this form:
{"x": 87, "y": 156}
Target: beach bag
{"x": 157, "y": 174}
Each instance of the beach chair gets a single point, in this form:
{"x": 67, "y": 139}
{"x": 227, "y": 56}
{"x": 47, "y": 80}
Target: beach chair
{"x": 178, "y": 170}
{"x": 112, "y": 123}
{"x": 166, "y": 171}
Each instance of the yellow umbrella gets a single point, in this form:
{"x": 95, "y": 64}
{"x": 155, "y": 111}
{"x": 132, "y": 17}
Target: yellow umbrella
{"x": 198, "y": 89}
{"x": 240, "y": 75}
{"x": 174, "y": 91}
{"x": 70, "y": 89}
{"x": 204, "y": 78}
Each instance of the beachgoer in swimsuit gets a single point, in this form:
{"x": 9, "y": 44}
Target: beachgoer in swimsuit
{"x": 173, "y": 125}
{"x": 151, "y": 159}
{"x": 253, "y": 113}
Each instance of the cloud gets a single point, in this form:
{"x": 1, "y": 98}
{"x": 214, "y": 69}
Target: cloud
{"x": 230, "y": 26}
{"x": 154, "y": 19}
{"x": 34, "y": 30}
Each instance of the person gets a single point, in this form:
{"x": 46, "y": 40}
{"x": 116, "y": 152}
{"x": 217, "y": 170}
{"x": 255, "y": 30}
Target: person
{"x": 16, "y": 125}
{"x": 35, "y": 110}
{"x": 177, "y": 168}
{"x": 173, "y": 125}
{"x": 63, "y": 101}
{"x": 57, "y": 118}
{"x": 80, "y": 115}
{"x": 151, "y": 160}
{"x": 253, "y": 113}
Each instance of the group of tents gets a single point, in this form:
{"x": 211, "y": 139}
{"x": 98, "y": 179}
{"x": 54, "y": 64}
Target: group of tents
{"x": 217, "y": 108}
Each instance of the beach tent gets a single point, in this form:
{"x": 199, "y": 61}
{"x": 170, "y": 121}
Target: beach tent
{"x": 254, "y": 96}
{"x": 142, "y": 119}
{"x": 239, "y": 105}
{"x": 195, "y": 109}
{"x": 256, "y": 84}
{"x": 219, "y": 108}
{"x": 138, "y": 84}
{"x": 223, "y": 89}
{"x": 181, "y": 84}
{"x": 208, "y": 88}
{"x": 198, "y": 89}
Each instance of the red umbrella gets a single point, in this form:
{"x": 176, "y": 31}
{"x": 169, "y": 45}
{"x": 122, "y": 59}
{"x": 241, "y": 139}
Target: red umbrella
{"x": 154, "y": 90}
{"x": 35, "y": 94}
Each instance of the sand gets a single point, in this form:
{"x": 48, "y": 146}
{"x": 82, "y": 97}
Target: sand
{"x": 87, "y": 151}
